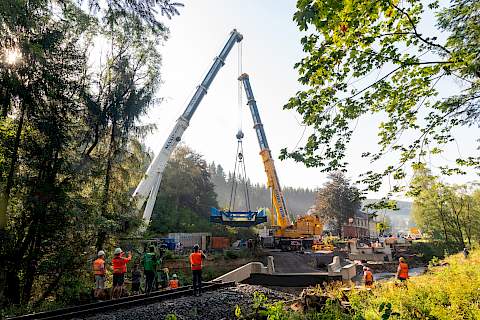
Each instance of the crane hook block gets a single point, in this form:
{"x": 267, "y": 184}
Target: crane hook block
{"x": 240, "y": 135}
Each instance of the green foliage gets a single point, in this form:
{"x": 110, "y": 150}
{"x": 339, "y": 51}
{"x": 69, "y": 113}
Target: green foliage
{"x": 430, "y": 249}
{"x": 187, "y": 196}
{"x": 445, "y": 212}
{"x": 427, "y": 296}
{"x": 356, "y": 66}
{"x": 262, "y": 309}
{"x": 171, "y": 316}
{"x": 386, "y": 311}
{"x": 445, "y": 293}
{"x": 382, "y": 227}
{"x": 231, "y": 254}
{"x": 238, "y": 312}
{"x": 434, "y": 262}
{"x": 70, "y": 150}
{"x": 337, "y": 200}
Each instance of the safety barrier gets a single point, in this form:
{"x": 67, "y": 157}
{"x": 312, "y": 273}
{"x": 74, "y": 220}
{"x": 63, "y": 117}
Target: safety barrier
{"x": 244, "y": 272}
{"x": 347, "y": 272}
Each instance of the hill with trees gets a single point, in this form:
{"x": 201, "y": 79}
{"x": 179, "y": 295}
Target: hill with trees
{"x": 299, "y": 200}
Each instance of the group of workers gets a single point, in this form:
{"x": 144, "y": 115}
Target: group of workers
{"x": 150, "y": 262}
{"x": 402, "y": 273}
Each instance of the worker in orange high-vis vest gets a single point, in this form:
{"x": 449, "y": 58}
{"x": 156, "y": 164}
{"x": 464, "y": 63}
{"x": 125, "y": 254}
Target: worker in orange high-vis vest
{"x": 119, "y": 270}
{"x": 196, "y": 258}
{"x": 99, "y": 271}
{"x": 367, "y": 277}
{"x": 402, "y": 270}
{"x": 173, "y": 283}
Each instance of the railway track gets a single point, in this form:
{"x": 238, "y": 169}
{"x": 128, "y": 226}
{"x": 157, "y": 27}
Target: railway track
{"x": 121, "y": 303}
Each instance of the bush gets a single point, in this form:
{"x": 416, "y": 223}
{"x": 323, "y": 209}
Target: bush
{"x": 431, "y": 249}
{"x": 446, "y": 293}
{"x": 230, "y": 254}
{"x": 449, "y": 292}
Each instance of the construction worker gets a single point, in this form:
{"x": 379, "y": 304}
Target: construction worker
{"x": 164, "y": 277}
{"x": 119, "y": 269}
{"x": 149, "y": 267}
{"x": 196, "y": 258}
{"x": 367, "y": 277}
{"x": 99, "y": 271}
{"x": 173, "y": 283}
{"x": 402, "y": 270}
{"x": 136, "y": 277}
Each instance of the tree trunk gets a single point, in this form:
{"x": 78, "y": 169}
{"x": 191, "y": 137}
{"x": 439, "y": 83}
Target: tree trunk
{"x": 102, "y": 235}
{"x": 9, "y": 288}
{"x": 41, "y": 195}
{"x": 468, "y": 224}
{"x": 12, "y": 287}
{"x": 30, "y": 271}
{"x": 457, "y": 223}
{"x": 442, "y": 218}
{"x": 5, "y": 103}
{"x": 51, "y": 287}
{"x": 5, "y": 197}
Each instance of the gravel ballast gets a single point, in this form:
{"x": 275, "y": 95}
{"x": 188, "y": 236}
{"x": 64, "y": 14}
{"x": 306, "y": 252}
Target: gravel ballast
{"x": 219, "y": 304}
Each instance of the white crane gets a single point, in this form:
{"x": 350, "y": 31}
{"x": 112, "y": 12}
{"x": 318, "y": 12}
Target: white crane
{"x": 148, "y": 187}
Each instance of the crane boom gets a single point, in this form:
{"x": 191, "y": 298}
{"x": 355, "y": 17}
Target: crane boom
{"x": 282, "y": 219}
{"x": 148, "y": 187}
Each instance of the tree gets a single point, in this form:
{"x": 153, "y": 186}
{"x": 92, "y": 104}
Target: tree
{"x": 356, "y": 65}
{"x": 337, "y": 201}
{"x": 60, "y": 177}
{"x": 447, "y": 213}
{"x": 186, "y": 195}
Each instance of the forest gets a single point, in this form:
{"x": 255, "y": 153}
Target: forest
{"x": 70, "y": 136}
{"x": 191, "y": 186}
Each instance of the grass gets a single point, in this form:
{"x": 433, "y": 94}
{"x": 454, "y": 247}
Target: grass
{"x": 446, "y": 292}
{"x": 449, "y": 292}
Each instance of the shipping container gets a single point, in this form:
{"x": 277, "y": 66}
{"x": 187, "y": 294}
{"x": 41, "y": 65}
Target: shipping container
{"x": 188, "y": 240}
{"x": 219, "y": 243}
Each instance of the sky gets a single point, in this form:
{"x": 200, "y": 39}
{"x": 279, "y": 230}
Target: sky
{"x": 270, "y": 48}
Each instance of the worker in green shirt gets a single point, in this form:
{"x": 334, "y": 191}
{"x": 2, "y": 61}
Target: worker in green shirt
{"x": 149, "y": 262}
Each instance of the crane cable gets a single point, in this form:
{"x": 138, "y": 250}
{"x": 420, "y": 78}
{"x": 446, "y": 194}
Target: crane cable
{"x": 242, "y": 175}
{"x": 239, "y": 159}
{"x": 240, "y": 94}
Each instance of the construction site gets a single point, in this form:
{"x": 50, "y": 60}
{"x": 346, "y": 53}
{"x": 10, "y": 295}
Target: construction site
{"x": 305, "y": 185}
{"x": 282, "y": 259}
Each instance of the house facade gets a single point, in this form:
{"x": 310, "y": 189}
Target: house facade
{"x": 356, "y": 227}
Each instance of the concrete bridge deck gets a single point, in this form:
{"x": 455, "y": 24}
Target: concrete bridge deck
{"x": 289, "y": 269}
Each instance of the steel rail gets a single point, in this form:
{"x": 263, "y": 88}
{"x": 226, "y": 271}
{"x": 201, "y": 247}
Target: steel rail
{"x": 121, "y": 303}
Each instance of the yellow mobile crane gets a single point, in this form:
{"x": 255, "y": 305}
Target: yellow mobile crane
{"x": 304, "y": 227}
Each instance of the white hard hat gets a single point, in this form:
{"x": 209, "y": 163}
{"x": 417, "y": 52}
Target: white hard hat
{"x": 101, "y": 253}
{"x": 174, "y": 275}
{"x": 118, "y": 251}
